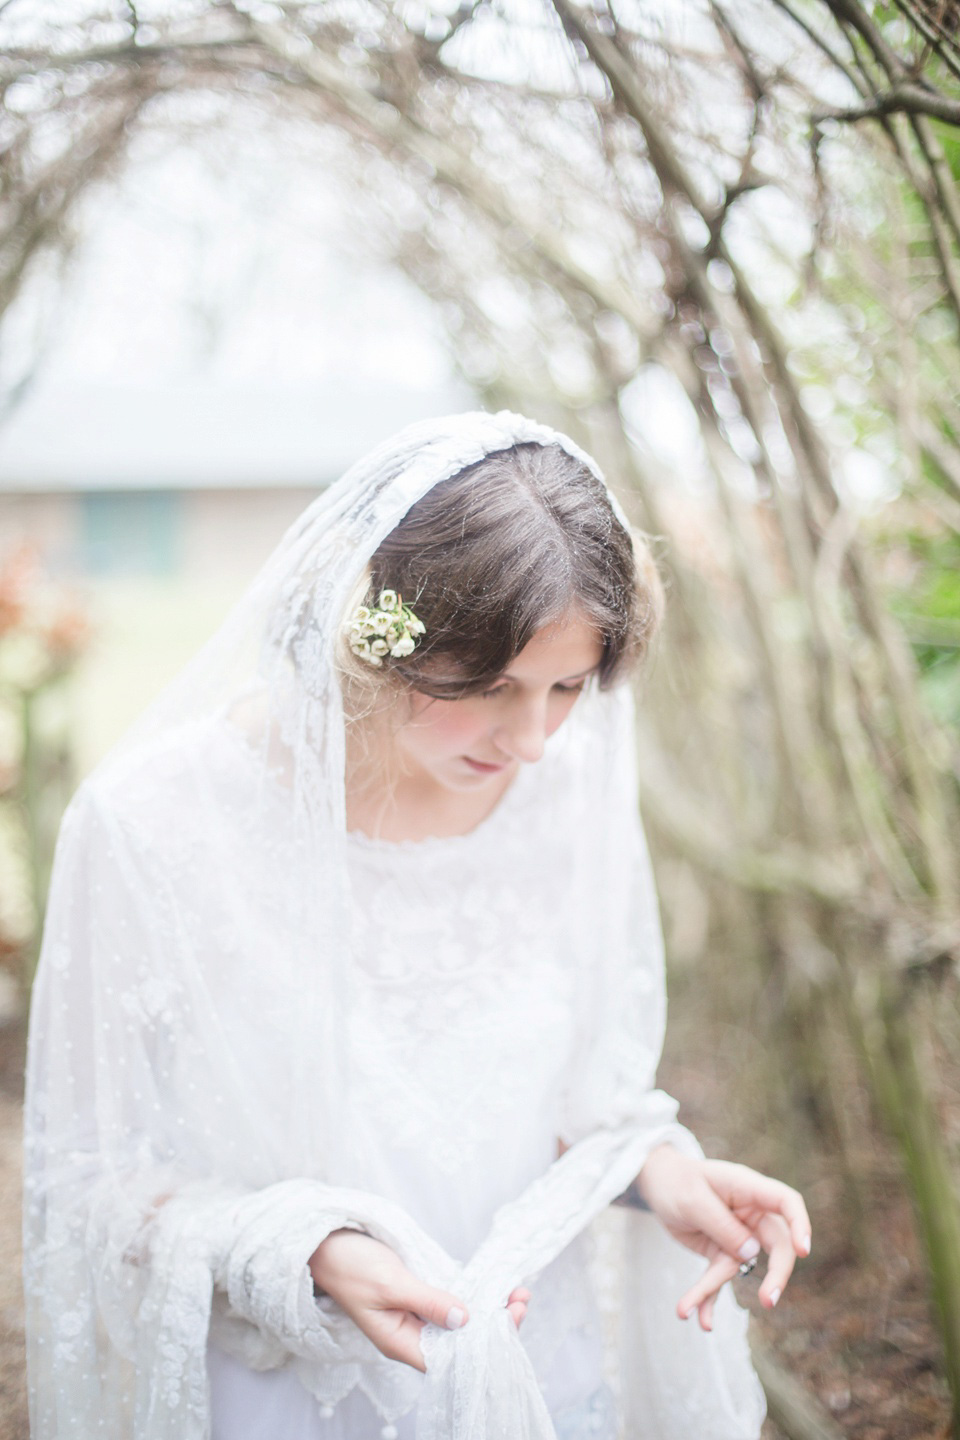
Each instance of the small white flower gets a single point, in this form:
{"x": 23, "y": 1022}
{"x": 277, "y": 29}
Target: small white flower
{"x": 387, "y": 630}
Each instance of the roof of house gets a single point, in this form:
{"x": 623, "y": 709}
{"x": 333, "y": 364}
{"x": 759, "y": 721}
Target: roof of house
{"x": 95, "y": 437}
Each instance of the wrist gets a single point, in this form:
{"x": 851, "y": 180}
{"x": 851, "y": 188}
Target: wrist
{"x": 317, "y": 1263}
{"x": 661, "y": 1157}
{"x": 631, "y": 1199}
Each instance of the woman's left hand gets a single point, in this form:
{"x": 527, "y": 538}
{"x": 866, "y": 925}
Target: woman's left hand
{"x": 726, "y": 1212}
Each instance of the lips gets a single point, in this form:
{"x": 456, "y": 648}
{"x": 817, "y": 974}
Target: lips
{"x": 483, "y": 768}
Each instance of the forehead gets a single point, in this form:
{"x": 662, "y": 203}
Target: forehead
{"x": 569, "y": 647}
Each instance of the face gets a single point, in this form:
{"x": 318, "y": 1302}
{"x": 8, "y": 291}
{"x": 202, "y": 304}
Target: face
{"x": 468, "y": 743}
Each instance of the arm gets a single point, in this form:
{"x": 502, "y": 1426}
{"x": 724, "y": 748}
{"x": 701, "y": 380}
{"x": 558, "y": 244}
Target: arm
{"x": 141, "y": 1181}
{"x": 712, "y": 1208}
{"x": 136, "y": 1235}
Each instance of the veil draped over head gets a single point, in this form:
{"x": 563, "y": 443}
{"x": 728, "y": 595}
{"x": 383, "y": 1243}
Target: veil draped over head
{"x": 199, "y": 917}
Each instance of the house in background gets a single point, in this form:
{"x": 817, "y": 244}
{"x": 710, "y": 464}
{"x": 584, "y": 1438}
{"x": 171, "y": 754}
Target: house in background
{"x": 183, "y": 484}
{"x": 161, "y": 506}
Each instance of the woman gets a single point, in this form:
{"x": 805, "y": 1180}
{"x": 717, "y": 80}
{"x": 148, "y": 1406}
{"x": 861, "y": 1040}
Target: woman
{"x": 355, "y": 932}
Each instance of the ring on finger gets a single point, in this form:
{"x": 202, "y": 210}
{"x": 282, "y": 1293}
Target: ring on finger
{"x": 748, "y": 1265}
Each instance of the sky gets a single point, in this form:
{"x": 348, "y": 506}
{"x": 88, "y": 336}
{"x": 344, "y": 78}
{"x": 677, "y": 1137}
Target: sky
{"x": 220, "y": 323}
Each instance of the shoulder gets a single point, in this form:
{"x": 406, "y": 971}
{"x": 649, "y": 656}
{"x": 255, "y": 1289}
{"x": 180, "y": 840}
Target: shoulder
{"x": 149, "y": 789}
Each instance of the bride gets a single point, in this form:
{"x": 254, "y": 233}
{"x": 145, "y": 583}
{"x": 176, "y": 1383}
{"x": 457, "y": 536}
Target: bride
{"x": 351, "y": 998}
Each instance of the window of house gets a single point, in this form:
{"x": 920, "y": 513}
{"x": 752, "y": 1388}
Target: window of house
{"x": 131, "y": 532}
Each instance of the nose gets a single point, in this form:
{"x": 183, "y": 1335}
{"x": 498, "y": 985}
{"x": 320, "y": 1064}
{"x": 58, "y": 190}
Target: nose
{"x": 522, "y": 732}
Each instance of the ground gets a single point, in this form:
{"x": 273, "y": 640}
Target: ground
{"x": 13, "y": 1395}
{"x": 859, "y": 1338}
{"x": 856, "y": 1335}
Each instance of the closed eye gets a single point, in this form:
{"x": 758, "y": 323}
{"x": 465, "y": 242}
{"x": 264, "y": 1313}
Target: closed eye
{"x": 564, "y": 689}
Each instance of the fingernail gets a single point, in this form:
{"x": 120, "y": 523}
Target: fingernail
{"x": 684, "y": 1314}
{"x": 805, "y": 1242}
{"x": 774, "y": 1296}
{"x": 749, "y": 1248}
{"x": 455, "y": 1317}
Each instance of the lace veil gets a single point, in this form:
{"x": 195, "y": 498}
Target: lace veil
{"x": 197, "y": 904}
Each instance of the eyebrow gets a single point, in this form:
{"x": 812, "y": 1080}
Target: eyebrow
{"x": 581, "y": 675}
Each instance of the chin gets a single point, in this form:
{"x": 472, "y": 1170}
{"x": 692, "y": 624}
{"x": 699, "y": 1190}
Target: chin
{"x": 468, "y": 781}
{"x": 461, "y": 777}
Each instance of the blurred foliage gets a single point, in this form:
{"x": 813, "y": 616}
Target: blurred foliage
{"x": 43, "y": 632}
{"x": 929, "y": 609}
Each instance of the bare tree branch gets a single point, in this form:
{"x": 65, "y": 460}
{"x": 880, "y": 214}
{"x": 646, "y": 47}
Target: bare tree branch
{"x": 903, "y": 99}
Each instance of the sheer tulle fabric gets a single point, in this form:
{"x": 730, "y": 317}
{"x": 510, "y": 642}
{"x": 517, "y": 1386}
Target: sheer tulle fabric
{"x": 196, "y": 1119}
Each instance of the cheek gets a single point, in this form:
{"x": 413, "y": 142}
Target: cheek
{"x": 559, "y": 710}
{"x": 448, "y": 730}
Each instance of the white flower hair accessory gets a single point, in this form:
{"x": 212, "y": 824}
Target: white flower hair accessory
{"x": 391, "y": 628}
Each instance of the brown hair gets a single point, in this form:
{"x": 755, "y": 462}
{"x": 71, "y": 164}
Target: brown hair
{"x": 494, "y": 553}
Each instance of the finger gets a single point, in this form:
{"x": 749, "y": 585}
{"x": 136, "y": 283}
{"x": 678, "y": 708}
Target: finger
{"x": 396, "y": 1334}
{"x": 715, "y": 1219}
{"x": 407, "y": 1344}
{"x": 438, "y": 1306}
{"x": 743, "y": 1188}
{"x": 722, "y": 1269}
{"x": 778, "y": 1242}
{"x": 517, "y": 1304}
{"x": 706, "y": 1312}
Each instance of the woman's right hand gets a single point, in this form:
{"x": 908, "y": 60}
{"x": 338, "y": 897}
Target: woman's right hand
{"x": 372, "y": 1285}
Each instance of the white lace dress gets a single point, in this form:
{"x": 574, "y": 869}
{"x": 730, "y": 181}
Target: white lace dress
{"x": 462, "y": 1039}
{"x": 478, "y": 1034}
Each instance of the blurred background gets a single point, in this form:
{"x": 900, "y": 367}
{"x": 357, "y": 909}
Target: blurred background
{"x": 719, "y": 244}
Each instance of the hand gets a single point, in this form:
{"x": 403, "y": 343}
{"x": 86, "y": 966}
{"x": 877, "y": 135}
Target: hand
{"x": 727, "y": 1213}
{"x": 372, "y": 1285}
